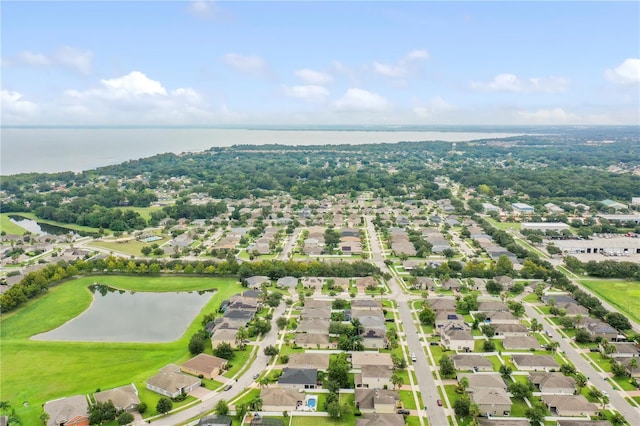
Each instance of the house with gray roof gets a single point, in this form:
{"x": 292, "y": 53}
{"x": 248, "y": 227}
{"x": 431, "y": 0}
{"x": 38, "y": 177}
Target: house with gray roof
{"x": 257, "y": 281}
{"x": 531, "y": 362}
{"x": 287, "y": 282}
{"x": 298, "y": 378}
{"x": 280, "y": 399}
{"x": 569, "y": 405}
{"x": 378, "y": 419}
{"x": 215, "y": 420}
{"x": 313, "y": 341}
{"x": 67, "y": 411}
{"x": 123, "y": 398}
{"x": 492, "y": 401}
{"x": 376, "y": 400}
{"x": 553, "y": 383}
{"x": 472, "y": 362}
{"x": 520, "y": 343}
{"x": 170, "y": 382}
{"x": 319, "y": 361}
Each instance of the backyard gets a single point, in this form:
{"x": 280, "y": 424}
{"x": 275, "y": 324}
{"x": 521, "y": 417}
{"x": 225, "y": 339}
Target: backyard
{"x": 80, "y": 368}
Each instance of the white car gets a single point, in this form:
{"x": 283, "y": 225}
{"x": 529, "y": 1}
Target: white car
{"x": 413, "y": 357}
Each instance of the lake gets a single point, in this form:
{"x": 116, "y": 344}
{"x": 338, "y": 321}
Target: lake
{"x": 126, "y": 316}
{"x": 40, "y": 228}
{"x": 46, "y": 150}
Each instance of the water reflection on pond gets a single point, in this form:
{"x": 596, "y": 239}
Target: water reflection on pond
{"x": 41, "y": 228}
{"x": 124, "y": 316}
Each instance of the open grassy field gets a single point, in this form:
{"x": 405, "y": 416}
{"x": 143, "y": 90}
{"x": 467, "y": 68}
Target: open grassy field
{"x": 145, "y": 212}
{"x": 132, "y": 247}
{"x": 9, "y": 227}
{"x": 34, "y": 372}
{"x": 624, "y": 295}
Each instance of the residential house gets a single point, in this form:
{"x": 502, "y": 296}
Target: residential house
{"x": 224, "y": 335}
{"x": 627, "y": 363}
{"x": 319, "y": 361}
{"x": 500, "y": 317}
{"x": 451, "y": 284}
{"x": 204, "y": 365}
{"x": 257, "y": 281}
{"x": 123, "y": 398}
{"x": 313, "y": 326}
{"x": 483, "y": 381}
{"x": 602, "y": 330}
{"x": 376, "y": 419}
{"x": 280, "y": 399}
{"x": 170, "y": 382}
{"x": 424, "y": 283}
{"x": 492, "y": 306}
{"x": 287, "y": 282}
{"x": 360, "y": 359}
{"x": 471, "y": 362}
{"x": 374, "y": 377}
{"x": 445, "y": 317}
{"x": 503, "y": 422}
{"x": 510, "y": 330}
{"x": 520, "y": 343}
{"x": 317, "y": 303}
{"x": 69, "y": 411}
{"x": 366, "y": 304}
{"x": 531, "y": 362}
{"x": 456, "y": 336}
{"x": 492, "y": 401}
{"x": 312, "y": 282}
{"x": 298, "y": 378}
{"x": 623, "y": 350}
{"x": 313, "y": 341}
{"x": 569, "y": 405}
{"x": 584, "y": 422}
{"x": 553, "y": 383}
{"x": 320, "y": 314}
{"x": 374, "y": 338}
{"x": 376, "y": 400}
{"x": 506, "y": 281}
{"x": 442, "y": 304}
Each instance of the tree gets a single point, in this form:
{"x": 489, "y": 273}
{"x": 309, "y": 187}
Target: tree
{"x": 536, "y": 413}
{"x": 142, "y": 407}
{"x": 44, "y": 418}
{"x": 504, "y": 266}
{"x": 461, "y": 406}
{"x": 255, "y": 404}
{"x": 102, "y": 412}
{"x": 463, "y": 384}
{"x": 568, "y": 369}
{"x": 223, "y": 350}
{"x": 520, "y": 390}
{"x": 505, "y": 371}
{"x": 339, "y": 370}
{"x": 447, "y": 368}
{"x": 221, "y": 408}
{"x": 125, "y": 418}
{"x": 618, "y": 369}
{"x": 282, "y": 322}
{"x": 582, "y": 336}
{"x": 427, "y": 316}
{"x": 397, "y": 380}
{"x": 164, "y": 405}
{"x": 617, "y": 321}
{"x": 553, "y": 346}
{"x": 241, "y": 410}
{"x": 241, "y": 335}
{"x": 494, "y": 287}
{"x": 334, "y": 409}
{"x": 581, "y": 381}
{"x": 487, "y": 330}
{"x": 197, "y": 343}
{"x": 271, "y": 350}
{"x": 488, "y": 346}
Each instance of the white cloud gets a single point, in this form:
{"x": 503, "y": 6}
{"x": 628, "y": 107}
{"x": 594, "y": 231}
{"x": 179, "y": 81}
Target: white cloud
{"x": 361, "y": 100}
{"x": 15, "y": 109}
{"x": 309, "y": 93}
{"x": 66, "y": 56}
{"x": 313, "y": 77}
{"x": 202, "y": 8}
{"x": 434, "y": 106}
{"x": 511, "y": 83}
{"x": 548, "y": 116}
{"x": 251, "y": 64}
{"x": 627, "y": 72}
{"x": 405, "y": 66}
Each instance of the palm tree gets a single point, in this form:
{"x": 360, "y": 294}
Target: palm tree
{"x": 462, "y": 385}
{"x": 633, "y": 364}
{"x": 474, "y": 412}
{"x": 397, "y": 380}
{"x": 256, "y": 404}
{"x": 241, "y": 335}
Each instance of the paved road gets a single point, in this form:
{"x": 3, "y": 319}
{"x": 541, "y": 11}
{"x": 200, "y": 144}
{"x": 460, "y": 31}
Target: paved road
{"x": 288, "y": 247}
{"x": 242, "y": 383}
{"x": 428, "y": 389}
{"x": 616, "y": 399}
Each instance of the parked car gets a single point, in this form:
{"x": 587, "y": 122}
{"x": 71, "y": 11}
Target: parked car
{"x": 403, "y": 411}
{"x": 227, "y": 387}
{"x": 413, "y": 357}
{"x": 439, "y": 403}
{"x": 255, "y": 376}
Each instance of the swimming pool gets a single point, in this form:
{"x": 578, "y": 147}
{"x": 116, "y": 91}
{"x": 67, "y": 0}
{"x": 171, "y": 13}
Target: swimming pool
{"x": 311, "y": 401}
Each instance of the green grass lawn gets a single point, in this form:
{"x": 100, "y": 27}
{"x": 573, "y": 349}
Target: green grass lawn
{"x": 239, "y": 361}
{"x": 407, "y": 399}
{"x": 38, "y": 371}
{"x": 132, "y": 247}
{"x": 518, "y": 407}
{"x": 145, "y": 212}
{"x": 9, "y": 227}
{"x": 624, "y": 295}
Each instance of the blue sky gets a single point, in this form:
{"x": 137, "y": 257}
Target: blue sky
{"x": 202, "y": 62}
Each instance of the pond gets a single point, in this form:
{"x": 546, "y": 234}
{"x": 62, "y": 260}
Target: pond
{"x": 40, "y": 228}
{"x": 126, "y": 316}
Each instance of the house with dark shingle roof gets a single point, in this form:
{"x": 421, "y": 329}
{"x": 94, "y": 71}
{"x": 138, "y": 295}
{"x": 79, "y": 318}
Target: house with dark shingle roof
{"x": 298, "y": 378}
